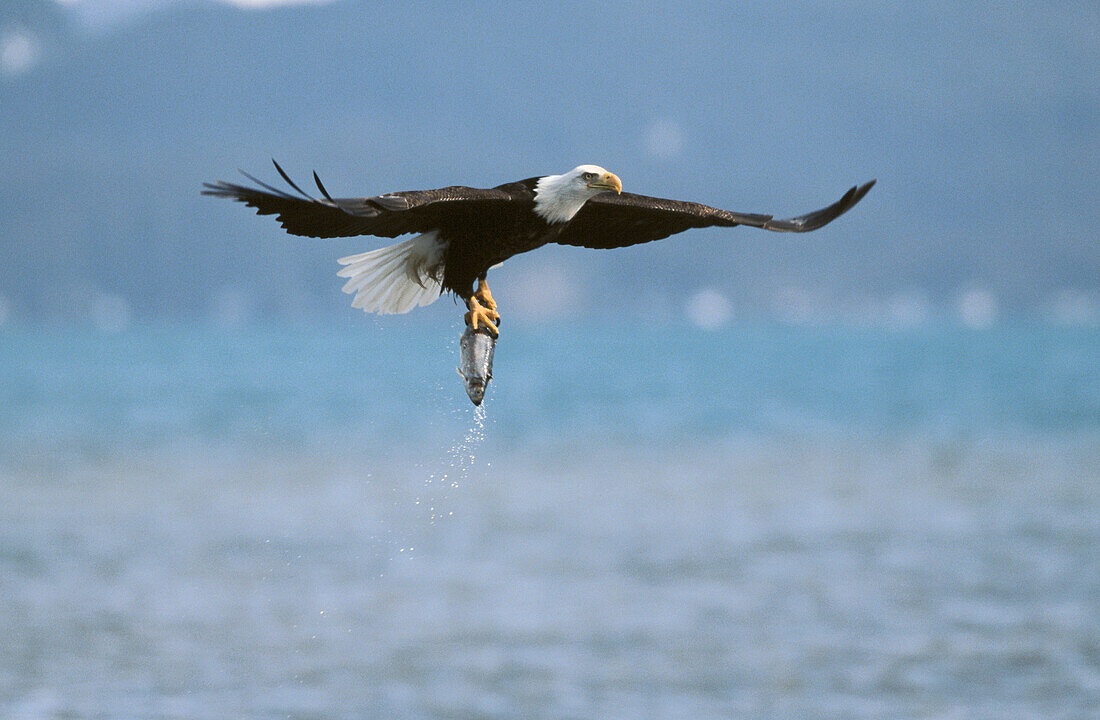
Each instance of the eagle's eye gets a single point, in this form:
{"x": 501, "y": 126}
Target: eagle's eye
{"x": 589, "y": 176}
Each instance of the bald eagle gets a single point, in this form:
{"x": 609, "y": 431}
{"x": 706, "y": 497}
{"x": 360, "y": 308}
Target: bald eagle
{"x": 462, "y": 232}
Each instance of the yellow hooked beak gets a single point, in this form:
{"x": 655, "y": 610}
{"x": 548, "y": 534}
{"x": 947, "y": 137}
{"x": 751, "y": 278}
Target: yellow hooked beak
{"x": 607, "y": 181}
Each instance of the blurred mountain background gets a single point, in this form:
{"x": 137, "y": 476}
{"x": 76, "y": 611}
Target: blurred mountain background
{"x": 981, "y": 123}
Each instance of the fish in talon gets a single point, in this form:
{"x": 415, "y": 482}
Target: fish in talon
{"x": 476, "y": 361}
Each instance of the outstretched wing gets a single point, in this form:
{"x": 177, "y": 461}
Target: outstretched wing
{"x": 387, "y": 215}
{"x": 610, "y": 221}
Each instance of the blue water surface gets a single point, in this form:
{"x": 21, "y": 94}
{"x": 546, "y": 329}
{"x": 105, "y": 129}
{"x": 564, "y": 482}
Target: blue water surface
{"x": 642, "y": 522}
{"x": 622, "y": 383}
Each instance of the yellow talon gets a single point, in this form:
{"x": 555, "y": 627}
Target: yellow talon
{"x": 480, "y": 316}
{"x": 485, "y": 297}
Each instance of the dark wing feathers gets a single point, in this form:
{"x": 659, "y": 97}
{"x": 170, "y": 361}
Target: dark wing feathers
{"x": 612, "y": 221}
{"x": 822, "y": 217}
{"x": 605, "y": 221}
{"x": 387, "y": 215}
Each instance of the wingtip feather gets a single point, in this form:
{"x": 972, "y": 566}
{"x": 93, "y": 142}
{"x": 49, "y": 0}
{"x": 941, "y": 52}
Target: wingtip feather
{"x": 321, "y": 187}
{"x": 291, "y": 182}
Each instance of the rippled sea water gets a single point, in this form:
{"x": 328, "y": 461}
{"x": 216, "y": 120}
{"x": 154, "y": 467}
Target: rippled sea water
{"x": 763, "y": 522}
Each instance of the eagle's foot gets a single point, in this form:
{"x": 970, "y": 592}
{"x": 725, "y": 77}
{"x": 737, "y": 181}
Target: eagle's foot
{"x": 481, "y": 316}
{"x": 485, "y": 297}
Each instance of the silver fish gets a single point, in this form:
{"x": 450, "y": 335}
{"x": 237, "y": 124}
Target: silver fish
{"x": 476, "y": 361}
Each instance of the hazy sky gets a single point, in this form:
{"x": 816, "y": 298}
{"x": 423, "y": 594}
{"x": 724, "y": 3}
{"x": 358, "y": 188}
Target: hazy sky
{"x": 106, "y": 15}
{"x": 981, "y": 123}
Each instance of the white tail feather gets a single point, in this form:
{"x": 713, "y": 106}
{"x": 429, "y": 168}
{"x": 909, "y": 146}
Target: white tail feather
{"x": 397, "y": 278}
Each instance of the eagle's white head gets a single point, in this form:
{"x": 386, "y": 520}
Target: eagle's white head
{"x": 559, "y": 197}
